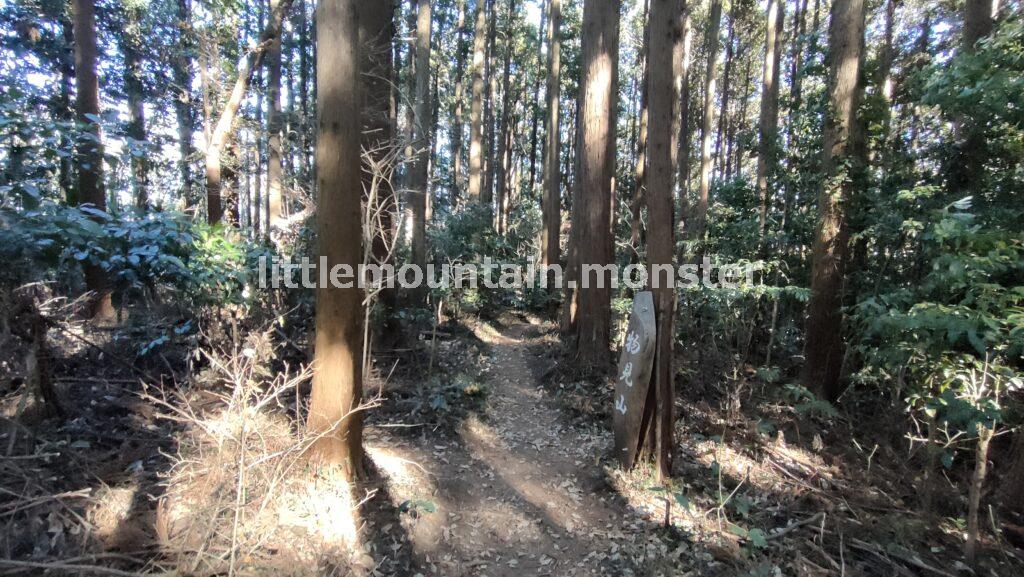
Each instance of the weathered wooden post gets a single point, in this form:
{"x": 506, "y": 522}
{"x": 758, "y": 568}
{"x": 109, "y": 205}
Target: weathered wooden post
{"x": 633, "y": 379}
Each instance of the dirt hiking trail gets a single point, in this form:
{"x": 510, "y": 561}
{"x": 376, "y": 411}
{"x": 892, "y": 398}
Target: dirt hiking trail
{"x": 518, "y": 490}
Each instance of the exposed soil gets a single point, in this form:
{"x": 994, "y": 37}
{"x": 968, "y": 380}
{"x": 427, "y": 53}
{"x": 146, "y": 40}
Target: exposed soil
{"x": 517, "y": 489}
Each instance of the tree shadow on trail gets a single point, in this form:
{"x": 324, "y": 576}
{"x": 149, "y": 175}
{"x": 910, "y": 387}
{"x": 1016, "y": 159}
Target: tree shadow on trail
{"x": 382, "y": 534}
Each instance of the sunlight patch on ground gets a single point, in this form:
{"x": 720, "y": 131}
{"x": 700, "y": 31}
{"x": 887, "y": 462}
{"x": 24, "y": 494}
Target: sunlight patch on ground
{"x": 109, "y": 511}
{"x": 529, "y": 479}
{"x": 322, "y": 507}
{"x": 400, "y": 471}
{"x": 489, "y": 334}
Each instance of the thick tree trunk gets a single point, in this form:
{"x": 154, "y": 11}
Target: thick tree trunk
{"x": 842, "y": 165}
{"x": 455, "y": 132}
{"x": 700, "y": 213}
{"x": 131, "y": 46}
{"x": 663, "y": 62}
{"x": 304, "y": 70}
{"x": 183, "y": 109}
{"x": 1011, "y": 490}
{"x": 218, "y": 136}
{"x": 376, "y": 33}
{"x": 421, "y": 139}
{"x": 491, "y": 88}
{"x": 551, "y": 204}
{"x": 768, "y": 125}
{"x": 884, "y": 84}
{"x": 683, "y": 147}
{"x": 640, "y": 168}
{"x": 535, "y": 121}
{"x": 796, "y": 58}
{"x": 90, "y": 150}
{"x": 721, "y": 151}
{"x": 595, "y": 167}
{"x": 476, "y": 109}
{"x": 275, "y": 193}
{"x": 64, "y": 112}
{"x": 337, "y": 362}
{"x": 504, "y": 150}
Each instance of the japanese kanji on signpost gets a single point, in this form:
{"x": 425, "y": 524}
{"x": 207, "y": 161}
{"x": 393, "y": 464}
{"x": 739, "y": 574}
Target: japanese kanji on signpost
{"x": 633, "y": 378}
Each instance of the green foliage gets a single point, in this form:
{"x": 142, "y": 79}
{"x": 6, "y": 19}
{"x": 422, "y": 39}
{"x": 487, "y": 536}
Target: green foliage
{"x": 207, "y": 267}
{"x": 468, "y": 236}
{"x": 988, "y": 83}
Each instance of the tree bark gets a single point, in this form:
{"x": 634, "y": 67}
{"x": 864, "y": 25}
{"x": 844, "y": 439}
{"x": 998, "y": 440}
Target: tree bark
{"x": 90, "y": 150}
{"x": 768, "y": 125}
{"x": 183, "y": 108}
{"x": 551, "y": 204}
{"x": 421, "y": 131}
{"x": 275, "y": 194}
{"x": 640, "y": 168}
{"x": 476, "y": 108}
{"x": 593, "y": 188}
{"x": 700, "y": 214}
{"x": 455, "y": 132}
{"x": 64, "y": 112}
{"x": 376, "y": 33}
{"x": 1011, "y": 489}
{"x": 491, "y": 88}
{"x": 218, "y": 136}
{"x": 663, "y": 63}
{"x": 683, "y": 147}
{"x": 504, "y": 150}
{"x": 337, "y": 362}
{"x": 131, "y": 46}
{"x": 723, "y": 108}
{"x": 796, "y": 62}
{"x": 535, "y": 109}
{"x": 842, "y": 165}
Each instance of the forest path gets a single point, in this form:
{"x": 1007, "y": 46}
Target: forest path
{"x": 519, "y": 491}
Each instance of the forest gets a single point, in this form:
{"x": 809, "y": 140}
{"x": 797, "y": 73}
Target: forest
{"x": 512, "y": 287}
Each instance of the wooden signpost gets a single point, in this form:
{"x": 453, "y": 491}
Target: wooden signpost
{"x": 633, "y": 379}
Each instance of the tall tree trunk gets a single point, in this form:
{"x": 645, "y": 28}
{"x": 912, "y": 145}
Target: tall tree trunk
{"x": 476, "y": 109}
{"x": 183, "y": 108}
{"x": 551, "y": 204}
{"x": 337, "y": 361}
{"x": 640, "y": 168}
{"x": 768, "y": 125}
{"x": 491, "y": 88}
{"x": 504, "y": 150}
{"x": 841, "y": 165}
{"x": 274, "y": 168}
{"x": 455, "y": 132}
{"x": 131, "y": 46}
{"x": 884, "y": 83}
{"x": 966, "y": 169}
{"x": 723, "y": 107}
{"x": 218, "y": 136}
{"x": 376, "y": 34}
{"x": 1011, "y": 489}
{"x": 734, "y": 155}
{"x": 535, "y": 109}
{"x": 64, "y": 112}
{"x": 90, "y": 150}
{"x": 700, "y": 214}
{"x": 421, "y": 131}
{"x": 595, "y": 174}
{"x": 683, "y": 147}
{"x": 796, "y": 59}
{"x": 304, "y": 69}
{"x": 261, "y": 201}
{"x": 663, "y": 62}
